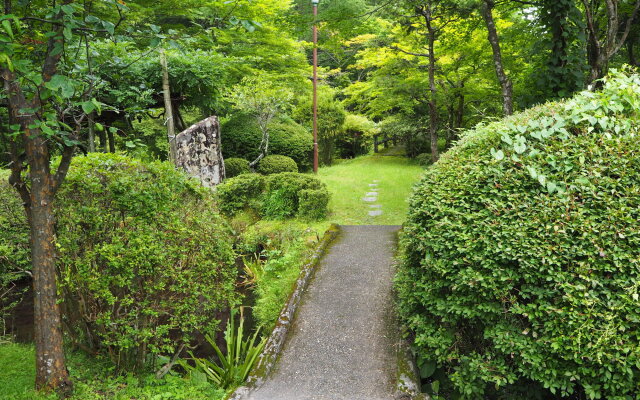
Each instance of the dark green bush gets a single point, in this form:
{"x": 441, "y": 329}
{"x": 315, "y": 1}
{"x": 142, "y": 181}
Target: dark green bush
{"x": 521, "y": 252}
{"x": 277, "y": 164}
{"x": 237, "y": 193}
{"x": 313, "y": 203}
{"x": 282, "y": 197}
{"x": 144, "y": 259}
{"x": 236, "y": 166}
{"x": 15, "y": 256}
{"x": 424, "y": 159}
{"x": 241, "y": 138}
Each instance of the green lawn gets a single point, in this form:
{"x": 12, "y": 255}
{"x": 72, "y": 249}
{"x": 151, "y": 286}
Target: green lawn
{"x": 94, "y": 380}
{"x": 349, "y": 181}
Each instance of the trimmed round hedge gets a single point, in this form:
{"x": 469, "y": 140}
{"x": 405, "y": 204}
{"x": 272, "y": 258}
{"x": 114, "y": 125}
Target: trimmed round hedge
{"x": 241, "y": 137}
{"x": 277, "y": 164}
{"x": 236, "y": 166}
{"x": 521, "y": 271}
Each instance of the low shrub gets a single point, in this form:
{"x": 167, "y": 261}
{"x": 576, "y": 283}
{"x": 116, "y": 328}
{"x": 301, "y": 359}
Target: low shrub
{"x": 241, "y": 137}
{"x": 277, "y": 164}
{"x": 521, "y": 262}
{"x": 239, "y": 192}
{"x": 236, "y": 166}
{"x": 313, "y": 203}
{"x": 424, "y": 159}
{"x": 144, "y": 259}
{"x": 282, "y": 197}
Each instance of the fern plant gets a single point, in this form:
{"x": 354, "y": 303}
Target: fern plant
{"x": 233, "y": 366}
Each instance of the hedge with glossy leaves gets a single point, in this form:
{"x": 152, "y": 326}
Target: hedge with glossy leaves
{"x": 522, "y": 252}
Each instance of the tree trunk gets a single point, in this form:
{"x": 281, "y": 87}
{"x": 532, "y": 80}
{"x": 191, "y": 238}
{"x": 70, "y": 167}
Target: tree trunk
{"x": 51, "y": 372}
{"x": 459, "y": 122}
{"x": 492, "y": 33}
{"x": 50, "y": 360}
{"x": 168, "y": 107}
{"x": 112, "y": 141}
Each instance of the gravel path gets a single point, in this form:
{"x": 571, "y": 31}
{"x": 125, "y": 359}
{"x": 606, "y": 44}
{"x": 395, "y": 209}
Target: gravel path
{"x": 341, "y": 344}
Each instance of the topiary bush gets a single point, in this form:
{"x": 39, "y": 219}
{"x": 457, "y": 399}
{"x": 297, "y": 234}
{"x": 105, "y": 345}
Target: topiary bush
{"x": 282, "y": 197}
{"x": 241, "y": 138}
{"x": 144, "y": 259}
{"x": 521, "y": 262}
{"x": 239, "y": 192}
{"x": 277, "y": 164}
{"x": 313, "y": 203}
{"x": 236, "y": 166}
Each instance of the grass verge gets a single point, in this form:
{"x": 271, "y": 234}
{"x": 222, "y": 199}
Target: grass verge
{"x": 94, "y": 380}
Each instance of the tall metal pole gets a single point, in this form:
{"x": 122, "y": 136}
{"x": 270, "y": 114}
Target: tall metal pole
{"x": 315, "y": 88}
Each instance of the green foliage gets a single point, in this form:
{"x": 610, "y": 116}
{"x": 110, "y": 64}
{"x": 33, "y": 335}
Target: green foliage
{"x": 15, "y": 255}
{"x": 233, "y": 366}
{"x": 94, "y": 380}
{"x": 241, "y": 138}
{"x": 277, "y": 164}
{"x": 356, "y": 138}
{"x": 236, "y": 166}
{"x": 313, "y": 203}
{"x": 284, "y": 247}
{"x": 131, "y": 238}
{"x": 282, "y": 197}
{"x": 331, "y": 117}
{"x": 521, "y": 252}
{"x": 239, "y": 192}
{"x": 424, "y": 159}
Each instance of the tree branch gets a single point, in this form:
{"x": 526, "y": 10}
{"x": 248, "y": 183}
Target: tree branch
{"x": 409, "y": 52}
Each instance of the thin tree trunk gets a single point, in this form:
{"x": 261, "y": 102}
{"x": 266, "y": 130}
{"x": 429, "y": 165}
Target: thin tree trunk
{"x": 460, "y": 111}
{"x": 92, "y": 135}
{"x": 166, "y": 90}
{"x": 112, "y": 141}
{"x": 492, "y": 33}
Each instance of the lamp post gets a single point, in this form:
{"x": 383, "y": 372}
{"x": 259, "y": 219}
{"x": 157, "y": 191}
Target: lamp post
{"x": 315, "y": 85}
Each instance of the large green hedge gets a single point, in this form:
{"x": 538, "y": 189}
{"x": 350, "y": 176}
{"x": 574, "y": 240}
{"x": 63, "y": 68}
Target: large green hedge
{"x": 521, "y": 272}
{"x": 241, "y": 138}
{"x": 144, "y": 259}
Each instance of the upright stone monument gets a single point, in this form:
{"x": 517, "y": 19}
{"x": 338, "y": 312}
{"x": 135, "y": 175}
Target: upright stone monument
{"x": 199, "y": 152}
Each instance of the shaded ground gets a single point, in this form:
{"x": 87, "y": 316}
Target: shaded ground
{"x": 341, "y": 345}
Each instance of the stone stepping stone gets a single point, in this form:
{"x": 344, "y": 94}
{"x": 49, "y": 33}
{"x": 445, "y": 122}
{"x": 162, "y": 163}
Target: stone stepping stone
{"x": 376, "y": 180}
{"x": 375, "y": 213}
{"x": 371, "y": 194}
{"x": 375, "y": 206}
{"x": 369, "y": 199}
{"x": 373, "y": 185}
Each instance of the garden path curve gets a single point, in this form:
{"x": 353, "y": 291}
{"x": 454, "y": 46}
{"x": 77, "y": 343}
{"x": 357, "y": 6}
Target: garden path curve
{"x": 341, "y": 343}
